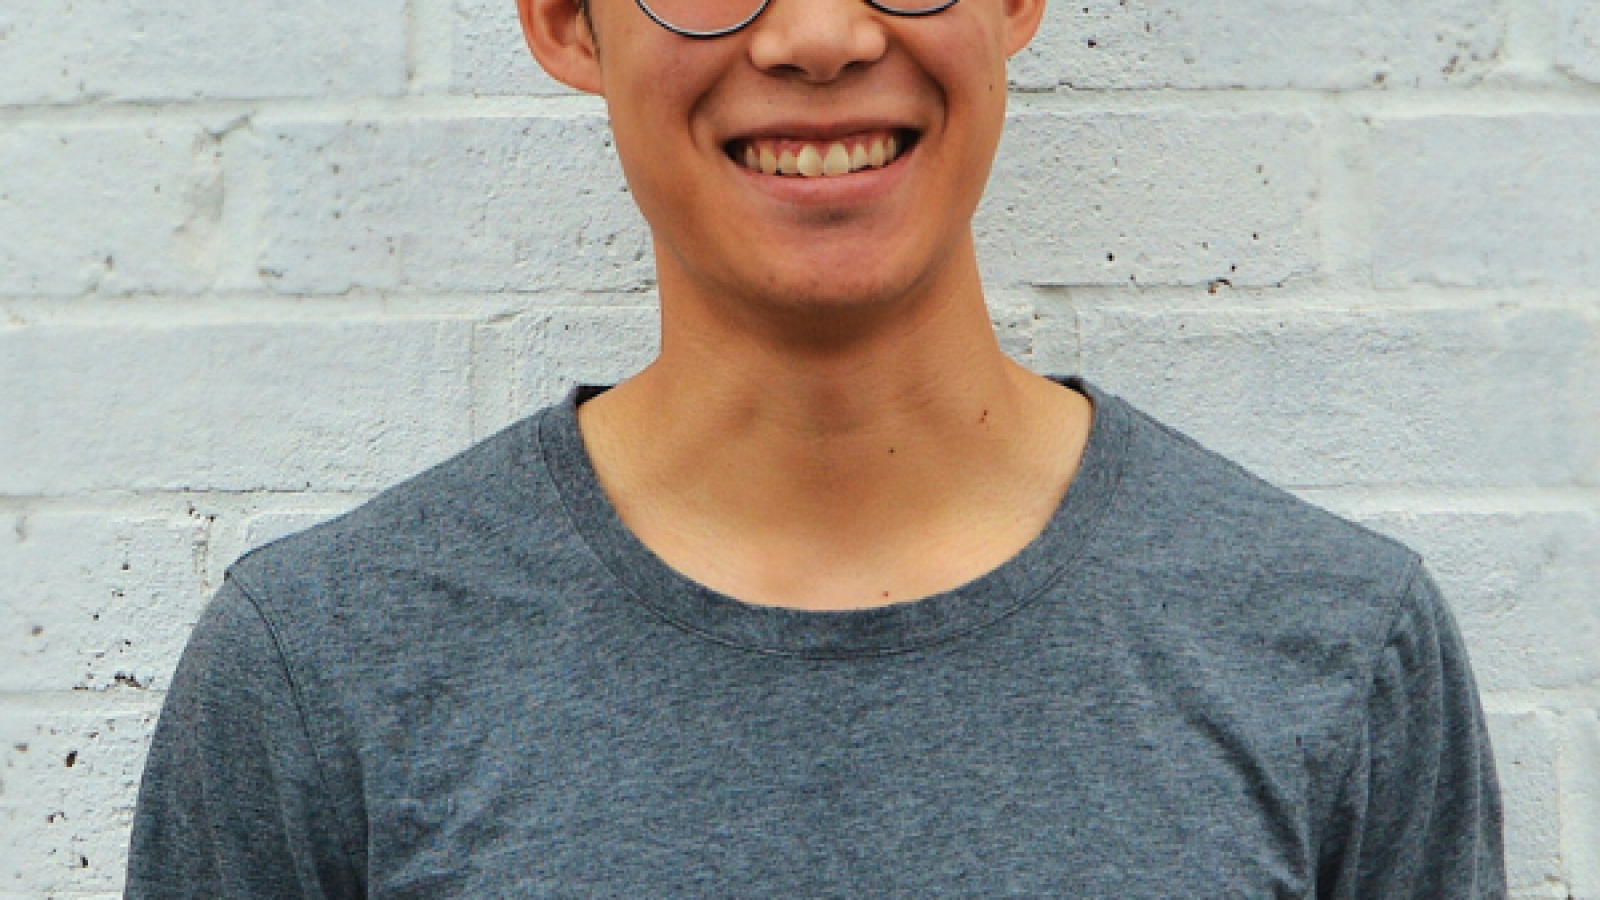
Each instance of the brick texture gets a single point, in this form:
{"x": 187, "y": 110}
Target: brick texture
{"x": 156, "y": 50}
{"x": 230, "y": 406}
{"x": 1522, "y": 586}
{"x": 1103, "y": 44}
{"x": 489, "y": 56}
{"x": 111, "y": 208}
{"x": 71, "y": 778}
{"x": 1578, "y": 41}
{"x": 522, "y": 204}
{"x": 1526, "y": 757}
{"x": 259, "y": 262}
{"x": 1395, "y": 397}
{"x": 1487, "y": 201}
{"x": 90, "y": 602}
{"x": 1167, "y": 197}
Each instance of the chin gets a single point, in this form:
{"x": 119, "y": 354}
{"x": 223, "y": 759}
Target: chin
{"x": 837, "y": 295}
{"x": 849, "y": 278}
{"x": 834, "y": 312}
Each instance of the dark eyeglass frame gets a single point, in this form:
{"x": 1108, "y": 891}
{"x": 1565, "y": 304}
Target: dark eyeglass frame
{"x": 875, "y": 4}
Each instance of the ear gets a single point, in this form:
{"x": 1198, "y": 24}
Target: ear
{"x": 1022, "y": 22}
{"x": 558, "y": 33}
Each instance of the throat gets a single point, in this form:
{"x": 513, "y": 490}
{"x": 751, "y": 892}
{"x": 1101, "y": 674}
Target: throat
{"x": 813, "y": 520}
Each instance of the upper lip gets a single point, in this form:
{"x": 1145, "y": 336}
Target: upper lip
{"x": 821, "y": 131}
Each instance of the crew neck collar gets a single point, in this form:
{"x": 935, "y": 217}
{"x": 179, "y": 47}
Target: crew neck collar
{"x": 895, "y": 628}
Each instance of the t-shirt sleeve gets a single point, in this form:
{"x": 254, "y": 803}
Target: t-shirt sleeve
{"x": 1420, "y": 814}
{"x": 233, "y": 803}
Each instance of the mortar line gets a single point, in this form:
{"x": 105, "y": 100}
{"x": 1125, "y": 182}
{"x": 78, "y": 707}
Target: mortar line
{"x": 1566, "y": 97}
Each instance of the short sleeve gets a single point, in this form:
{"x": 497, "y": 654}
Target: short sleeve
{"x": 232, "y": 804}
{"x": 1419, "y": 815}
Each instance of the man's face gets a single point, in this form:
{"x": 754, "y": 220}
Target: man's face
{"x": 824, "y": 83}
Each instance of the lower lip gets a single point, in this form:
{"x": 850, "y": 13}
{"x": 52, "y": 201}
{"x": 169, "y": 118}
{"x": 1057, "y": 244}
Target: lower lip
{"x": 855, "y": 188}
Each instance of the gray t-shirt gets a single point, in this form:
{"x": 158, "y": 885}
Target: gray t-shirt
{"x": 481, "y": 684}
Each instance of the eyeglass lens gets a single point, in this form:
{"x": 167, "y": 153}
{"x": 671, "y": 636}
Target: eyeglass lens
{"x": 711, "y": 17}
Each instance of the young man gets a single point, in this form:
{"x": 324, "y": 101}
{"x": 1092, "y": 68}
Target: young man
{"x": 832, "y": 599}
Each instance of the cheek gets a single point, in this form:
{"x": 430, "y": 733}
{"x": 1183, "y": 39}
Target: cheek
{"x": 655, "y": 101}
{"x": 654, "y": 135}
{"x": 645, "y": 68}
{"x": 974, "y": 40}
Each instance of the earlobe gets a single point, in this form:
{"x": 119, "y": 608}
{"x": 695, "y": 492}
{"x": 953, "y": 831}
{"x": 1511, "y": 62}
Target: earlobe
{"x": 1022, "y": 23}
{"x": 558, "y": 32}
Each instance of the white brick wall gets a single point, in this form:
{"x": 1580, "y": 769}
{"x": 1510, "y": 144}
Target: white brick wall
{"x": 1163, "y": 196}
{"x": 258, "y": 261}
{"x": 76, "y": 51}
{"x": 1456, "y": 193}
{"x": 1347, "y": 44}
{"x": 107, "y": 207}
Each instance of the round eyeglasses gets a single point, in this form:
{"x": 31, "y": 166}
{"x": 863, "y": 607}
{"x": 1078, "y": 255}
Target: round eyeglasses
{"x": 715, "y": 18}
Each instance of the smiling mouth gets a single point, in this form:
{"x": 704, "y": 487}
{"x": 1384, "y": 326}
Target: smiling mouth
{"x": 818, "y": 159}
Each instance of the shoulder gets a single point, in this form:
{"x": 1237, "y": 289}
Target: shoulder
{"x": 452, "y": 534}
{"x": 1243, "y": 586}
{"x": 1303, "y": 628}
{"x": 1186, "y": 505}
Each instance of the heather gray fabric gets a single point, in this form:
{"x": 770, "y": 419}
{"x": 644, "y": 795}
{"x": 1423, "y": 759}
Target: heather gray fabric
{"x": 480, "y": 684}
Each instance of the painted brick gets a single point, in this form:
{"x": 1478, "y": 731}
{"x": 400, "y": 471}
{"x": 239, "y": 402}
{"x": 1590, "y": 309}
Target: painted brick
{"x": 74, "y": 895}
{"x": 325, "y": 405}
{"x": 1054, "y": 349}
{"x": 70, "y": 895}
{"x": 1578, "y": 51}
{"x": 1353, "y": 44}
{"x": 487, "y": 204}
{"x": 143, "y": 197}
{"x": 1170, "y": 197}
{"x": 1013, "y": 320}
{"x": 92, "y": 602}
{"x": 114, "y": 208}
{"x": 489, "y": 56}
{"x": 236, "y": 537}
{"x": 1422, "y": 397}
{"x": 1099, "y": 44}
{"x": 1580, "y": 801}
{"x": 96, "y": 50}
{"x": 554, "y": 349}
{"x": 1525, "y": 757}
{"x": 1487, "y": 201}
{"x": 1525, "y": 588}
{"x": 265, "y": 528}
{"x": 70, "y": 782}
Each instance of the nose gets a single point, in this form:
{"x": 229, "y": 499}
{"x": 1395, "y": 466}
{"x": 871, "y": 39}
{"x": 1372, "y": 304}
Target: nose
{"x": 817, "y": 40}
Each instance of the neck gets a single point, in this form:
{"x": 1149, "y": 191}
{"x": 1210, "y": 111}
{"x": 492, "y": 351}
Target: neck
{"x": 864, "y": 435}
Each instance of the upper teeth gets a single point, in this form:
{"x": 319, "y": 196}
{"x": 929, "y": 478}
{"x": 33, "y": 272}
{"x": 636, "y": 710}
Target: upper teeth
{"x": 813, "y": 160}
